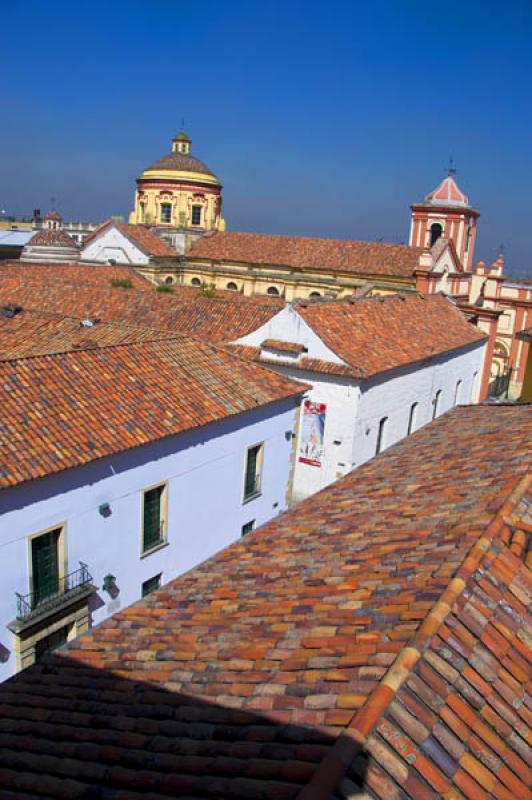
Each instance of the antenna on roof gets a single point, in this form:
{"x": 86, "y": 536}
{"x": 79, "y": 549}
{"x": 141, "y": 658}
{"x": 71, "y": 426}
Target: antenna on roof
{"x": 451, "y": 169}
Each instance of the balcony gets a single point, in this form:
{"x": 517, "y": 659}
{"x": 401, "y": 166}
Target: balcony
{"x": 71, "y": 588}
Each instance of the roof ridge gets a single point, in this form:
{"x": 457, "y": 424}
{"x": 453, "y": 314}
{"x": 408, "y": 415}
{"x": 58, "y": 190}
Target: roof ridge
{"x": 316, "y": 238}
{"x": 354, "y": 737}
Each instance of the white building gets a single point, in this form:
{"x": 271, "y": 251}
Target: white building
{"x": 124, "y": 467}
{"x": 379, "y": 368}
{"x": 121, "y": 243}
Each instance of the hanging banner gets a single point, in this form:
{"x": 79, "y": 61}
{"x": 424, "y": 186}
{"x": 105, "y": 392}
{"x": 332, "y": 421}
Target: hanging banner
{"x": 313, "y": 426}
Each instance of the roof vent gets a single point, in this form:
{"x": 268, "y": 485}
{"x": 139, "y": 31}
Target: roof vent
{"x": 86, "y": 323}
{"x": 10, "y": 310}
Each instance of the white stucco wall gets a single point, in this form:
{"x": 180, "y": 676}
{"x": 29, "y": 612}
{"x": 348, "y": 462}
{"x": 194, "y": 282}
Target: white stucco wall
{"x": 205, "y": 473}
{"x": 288, "y": 326}
{"x": 392, "y": 394}
{"x": 354, "y": 410}
{"x": 112, "y": 244}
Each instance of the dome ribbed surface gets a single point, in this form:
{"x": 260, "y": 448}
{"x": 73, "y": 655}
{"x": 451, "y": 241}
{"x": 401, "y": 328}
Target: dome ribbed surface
{"x": 180, "y": 162}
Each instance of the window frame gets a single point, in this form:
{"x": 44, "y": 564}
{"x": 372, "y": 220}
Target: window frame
{"x": 166, "y": 205}
{"x": 196, "y": 208}
{"x": 259, "y": 464}
{"x": 62, "y": 563}
{"x": 163, "y": 516}
{"x": 458, "y": 391}
{"x": 156, "y": 578}
{"x": 436, "y": 402}
{"x": 412, "y": 419}
{"x": 251, "y": 523}
{"x": 381, "y": 435}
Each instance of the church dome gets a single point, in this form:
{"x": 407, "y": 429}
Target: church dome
{"x": 179, "y": 164}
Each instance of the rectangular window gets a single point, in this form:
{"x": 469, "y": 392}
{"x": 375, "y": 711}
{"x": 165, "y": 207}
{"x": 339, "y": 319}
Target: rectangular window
{"x": 153, "y": 529}
{"x": 252, "y": 481}
{"x": 45, "y": 566}
{"x": 436, "y": 404}
{"x": 412, "y": 419}
{"x": 166, "y": 212}
{"x": 151, "y": 584}
{"x": 248, "y": 527}
{"x": 196, "y": 215}
{"x": 381, "y": 435}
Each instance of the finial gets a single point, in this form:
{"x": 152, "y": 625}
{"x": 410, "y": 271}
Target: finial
{"x": 182, "y": 123}
{"x": 52, "y": 203}
{"x": 501, "y": 249}
{"x": 451, "y": 169}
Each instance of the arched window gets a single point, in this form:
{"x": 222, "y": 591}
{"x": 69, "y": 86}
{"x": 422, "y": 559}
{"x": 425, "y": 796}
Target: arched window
{"x": 273, "y": 290}
{"x": 381, "y": 435}
{"x": 457, "y": 392}
{"x": 168, "y": 279}
{"x": 314, "y": 294}
{"x": 195, "y": 282}
{"x": 436, "y": 404}
{"x": 412, "y": 418}
{"x": 232, "y": 286}
{"x": 436, "y": 231}
{"x": 474, "y": 387}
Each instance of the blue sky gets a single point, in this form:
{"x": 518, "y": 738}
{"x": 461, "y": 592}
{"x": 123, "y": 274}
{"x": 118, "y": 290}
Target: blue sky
{"x": 322, "y": 119}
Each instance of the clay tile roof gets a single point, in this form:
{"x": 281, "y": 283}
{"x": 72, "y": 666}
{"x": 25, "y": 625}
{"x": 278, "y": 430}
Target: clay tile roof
{"x": 371, "y": 641}
{"x": 35, "y": 333}
{"x": 142, "y": 237}
{"x": 55, "y": 238}
{"x": 186, "y": 311}
{"x": 75, "y": 273}
{"x": 54, "y": 215}
{"x": 380, "y": 333}
{"x": 286, "y": 347}
{"x": 300, "y": 252}
{"x": 65, "y": 410}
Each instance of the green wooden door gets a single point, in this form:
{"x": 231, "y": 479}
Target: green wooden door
{"x": 45, "y": 565}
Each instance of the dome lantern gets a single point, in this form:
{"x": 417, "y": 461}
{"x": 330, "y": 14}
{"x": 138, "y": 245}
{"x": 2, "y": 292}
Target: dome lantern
{"x": 181, "y": 143}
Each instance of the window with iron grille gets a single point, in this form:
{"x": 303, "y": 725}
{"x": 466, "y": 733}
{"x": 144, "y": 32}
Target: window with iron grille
{"x": 196, "y": 215}
{"x": 151, "y": 584}
{"x": 153, "y": 523}
{"x": 252, "y": 480}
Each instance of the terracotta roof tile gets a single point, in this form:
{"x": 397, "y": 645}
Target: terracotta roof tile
{"x": 375, "y": 334}
{"x": 301, "y": 252}
{"x": 290, "y": 665}
{"x": 186, "y": 311}
{"x": 65, "y": 410}
{"x": 93, "y": 275}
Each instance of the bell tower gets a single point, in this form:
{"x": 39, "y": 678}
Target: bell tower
{"x": 445, "y": 213}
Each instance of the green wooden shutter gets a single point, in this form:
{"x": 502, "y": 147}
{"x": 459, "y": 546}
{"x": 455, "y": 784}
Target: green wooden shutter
{"x": 45, "y": 565}
{"x": 152, "y": 517}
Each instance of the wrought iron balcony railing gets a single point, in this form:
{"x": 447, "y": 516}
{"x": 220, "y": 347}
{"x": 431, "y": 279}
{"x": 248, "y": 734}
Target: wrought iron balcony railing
{"x": 66, "y": 589}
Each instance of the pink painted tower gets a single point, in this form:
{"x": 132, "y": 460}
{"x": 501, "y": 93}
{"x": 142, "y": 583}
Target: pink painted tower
{"x": 445, "y": 213}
